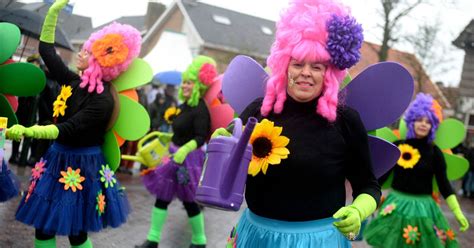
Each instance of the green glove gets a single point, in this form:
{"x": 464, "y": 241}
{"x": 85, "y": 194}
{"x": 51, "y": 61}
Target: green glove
{"x": 352, "y": 216}
{"x": 220, "y": 132}
{"x": 15, "y": 132}
{"x": 50, "y": 20}
{"x": 456, "y": 209}
{"x": 165, "y": 137}
{"x": 180, "y": 155}
{"x": 42, "y": 132}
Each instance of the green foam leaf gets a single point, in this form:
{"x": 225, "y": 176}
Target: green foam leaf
{"x": 111, "y": 150}
{"x": 133, "y": 121}
{"x": 456, "y": 166}
{"x": 9, "y": 40}
{"x": 402, "y": 128}
{"x": 21, "y": 79}
{"x": 7, "y": 111}
{"x": 139, "y": 73}
{"x": 450, "y": 133}
{"x": 345, "y": 81}
{"x": 386, "y": 134}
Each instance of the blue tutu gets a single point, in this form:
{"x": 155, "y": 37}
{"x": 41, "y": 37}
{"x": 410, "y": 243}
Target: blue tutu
{"x": 71, "y": 191}
{"x": 256, "y": 231}
{"x": 9, "y": 184}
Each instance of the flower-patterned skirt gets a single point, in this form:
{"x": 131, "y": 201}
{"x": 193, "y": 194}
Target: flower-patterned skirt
{"x": 172, "y": 180}
{"x": 407, "y": 220}
{"x": 72, "y": 190}
{"x": 8, "y": 183}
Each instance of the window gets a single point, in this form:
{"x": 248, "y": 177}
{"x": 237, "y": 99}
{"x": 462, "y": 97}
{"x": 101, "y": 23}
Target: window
{"x": 266, "y": 30}
{"x": 221, "y": 19}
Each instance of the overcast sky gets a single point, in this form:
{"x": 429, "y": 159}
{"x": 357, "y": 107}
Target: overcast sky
{"x": 453, "y": 14}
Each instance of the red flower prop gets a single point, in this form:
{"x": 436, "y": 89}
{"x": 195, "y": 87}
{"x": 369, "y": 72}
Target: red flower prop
{"x": 207, "y": 74}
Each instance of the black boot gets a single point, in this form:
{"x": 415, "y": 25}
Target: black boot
{"x": 148, "y": 244}
{"x": 197, "y": 246}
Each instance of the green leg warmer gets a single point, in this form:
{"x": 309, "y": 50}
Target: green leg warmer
{"x": 87, "y": 244}
{"x": 50, "y": 243}
{"x": 198, "y": 230}
{"x": 158, "y": 218}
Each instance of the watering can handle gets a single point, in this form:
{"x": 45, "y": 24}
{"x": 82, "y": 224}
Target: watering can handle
{"x": 147, "y": 137}
{"x": 237, "y": 131}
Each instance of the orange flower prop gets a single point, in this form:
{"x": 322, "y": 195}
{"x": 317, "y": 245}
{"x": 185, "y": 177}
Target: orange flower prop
{"x": 110, "y": 50}
{"x": 411, "y": 234}
{"x": 268, "y": 147}
{"x": 100, "y": 207}
{"x": 72, "y": 179}
{"x": 450, "y": 234}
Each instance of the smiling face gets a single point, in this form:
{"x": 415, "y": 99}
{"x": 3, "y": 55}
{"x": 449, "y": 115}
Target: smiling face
{"x": 187, "y": 88}
{"x": 422, "y": 127}
{"x": 305, "y": 80}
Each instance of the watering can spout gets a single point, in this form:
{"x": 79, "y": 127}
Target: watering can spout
{"x": 134, "y": 158}
{"x": 238, "y": 153}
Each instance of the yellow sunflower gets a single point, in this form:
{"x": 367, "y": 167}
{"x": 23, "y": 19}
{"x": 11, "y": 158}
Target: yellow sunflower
{"x": 409, "y": 156}
{"x": 171, "y": 113}
{"x": 268, "y": 147}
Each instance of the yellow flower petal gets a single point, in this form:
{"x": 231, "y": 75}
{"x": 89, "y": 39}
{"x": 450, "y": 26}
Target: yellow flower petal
{"x": 280, "y": 141}
{"x": 254, "y": 167}
{"x": 264, "y": 166}
{"x": 274, "y": 159}
{"x": 282, "y": 151}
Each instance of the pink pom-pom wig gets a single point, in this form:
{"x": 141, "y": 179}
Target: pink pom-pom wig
{"x": 302, "y": 34}
{"x": 111, "y": 50}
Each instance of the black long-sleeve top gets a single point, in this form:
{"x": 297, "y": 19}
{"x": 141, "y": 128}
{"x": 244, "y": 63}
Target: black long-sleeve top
{"x": 310, "y": 183}
{"x": 87, "y": 114}
{"x": 192, "y": 123}
{"x": 419, "y": 179}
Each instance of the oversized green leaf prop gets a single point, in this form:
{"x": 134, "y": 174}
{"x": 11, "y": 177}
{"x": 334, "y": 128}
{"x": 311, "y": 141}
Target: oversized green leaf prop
{"x": 458, "y": 166}
{"x": 386, "y": 134}
{"x": 131, "y": 112}
{"x": 9, "y": 39}
{"x": 7, "y": 111}
{"x": 138, "y": 74}
{"x": 21, "y": 79}
{"x": 111, "y": 150}
{"x": 402, "y": 128}
{"x": 346, "y": 81}
{"x": 450, "y": 133}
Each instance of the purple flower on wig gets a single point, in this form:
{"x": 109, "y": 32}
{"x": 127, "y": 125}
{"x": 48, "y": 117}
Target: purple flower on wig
{"x": 422, "y": 106}
{"x": 344, "y": 41}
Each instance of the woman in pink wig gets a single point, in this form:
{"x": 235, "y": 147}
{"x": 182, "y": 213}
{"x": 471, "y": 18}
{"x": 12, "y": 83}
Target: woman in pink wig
{"x": 72, "y": 189}
{"x": 308, "y": 142}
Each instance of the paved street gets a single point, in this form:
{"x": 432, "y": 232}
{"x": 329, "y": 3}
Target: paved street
{"x": 176, "y": 233}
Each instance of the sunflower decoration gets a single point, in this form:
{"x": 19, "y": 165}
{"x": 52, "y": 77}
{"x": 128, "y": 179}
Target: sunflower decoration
{"x": 411, "y": 234}
{"x": 59, "y": 105}
{"x": 268, "y": 147}
{"x": 72, "y": 179}
{"x": 171, "y": 113}
{"x": 16, "y": 79}
{"x": 409, "y": 156}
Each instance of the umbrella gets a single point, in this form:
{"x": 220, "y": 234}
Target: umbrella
{"x": 168, "y": 77}
{"x": 30, "y": 24}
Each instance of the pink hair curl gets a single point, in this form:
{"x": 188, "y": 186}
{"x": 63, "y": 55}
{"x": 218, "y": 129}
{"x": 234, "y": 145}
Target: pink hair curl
{"x": 302, "y": 35}
{"x": 95, "y": 74}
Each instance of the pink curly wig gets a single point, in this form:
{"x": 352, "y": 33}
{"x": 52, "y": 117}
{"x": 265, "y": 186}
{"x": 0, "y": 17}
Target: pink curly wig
{"x": 95, "y": 74}
{"x": 302, "y": 34}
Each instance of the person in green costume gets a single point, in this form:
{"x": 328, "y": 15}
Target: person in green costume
{"x": 410, "y": 217}
{"x": 72, "y": 189}
{"x": 179, "y": 177}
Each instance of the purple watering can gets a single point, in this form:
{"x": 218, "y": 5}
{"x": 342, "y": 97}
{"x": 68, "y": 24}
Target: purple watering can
{"x": 225, "y": 170}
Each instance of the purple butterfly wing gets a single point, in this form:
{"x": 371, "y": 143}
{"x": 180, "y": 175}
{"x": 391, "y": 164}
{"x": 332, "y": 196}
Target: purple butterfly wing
{"x": 244, "y": 81}
{"x": 380, "y": 93}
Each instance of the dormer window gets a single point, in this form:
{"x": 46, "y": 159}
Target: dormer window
{"x": 266, "y": 30}
{"x": 221, "y": 19}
